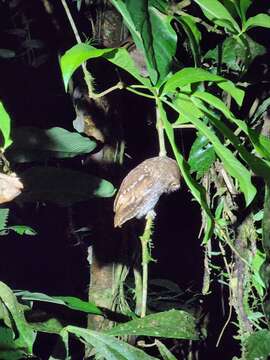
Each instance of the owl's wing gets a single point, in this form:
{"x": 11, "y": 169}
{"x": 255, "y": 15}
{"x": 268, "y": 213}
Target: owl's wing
{"x": 132, "y": 194}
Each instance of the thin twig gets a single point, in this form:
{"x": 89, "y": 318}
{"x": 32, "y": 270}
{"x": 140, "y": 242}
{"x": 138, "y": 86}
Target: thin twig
{"x": 87, "y": 76}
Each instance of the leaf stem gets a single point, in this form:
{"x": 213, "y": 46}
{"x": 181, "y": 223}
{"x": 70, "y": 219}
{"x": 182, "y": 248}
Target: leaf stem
{"x": 129, "y": 88}
{"x": 146, "y": 258}
{"x": 87, "y": 75}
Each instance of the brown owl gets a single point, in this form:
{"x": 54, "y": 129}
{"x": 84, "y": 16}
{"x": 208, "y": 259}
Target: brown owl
{"x": 142, "y": 187}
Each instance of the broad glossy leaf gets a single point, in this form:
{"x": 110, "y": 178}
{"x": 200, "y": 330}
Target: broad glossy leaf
{"x": 196, "y": 189}
{"x": 216, "y": 12}
{"x": 261, "y": 20}
{"x": 258, "y": 345}
{"x": 69, "y": 301}
{"x": 107, "y": 346}
{"x": 62, "y": 186}
{"x": 15, "y": 316}
{"x": 34, "y": 144}
{"x": 234, "y": 167}
{"x": 5, "y": 124}
{"x": 202, "y": 155}
{"x": 146, "y": 19}
{"x": 78, "y": 54}
{"x": 194, "y": 75}
{"x": 175, "y": 324}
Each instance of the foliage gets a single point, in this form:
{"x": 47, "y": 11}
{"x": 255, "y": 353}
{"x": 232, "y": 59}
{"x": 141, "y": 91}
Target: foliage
{"x": 229, "y": 150}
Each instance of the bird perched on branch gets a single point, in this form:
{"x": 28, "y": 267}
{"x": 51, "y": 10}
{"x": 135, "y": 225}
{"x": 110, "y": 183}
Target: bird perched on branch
{"x": 141, "y": 189}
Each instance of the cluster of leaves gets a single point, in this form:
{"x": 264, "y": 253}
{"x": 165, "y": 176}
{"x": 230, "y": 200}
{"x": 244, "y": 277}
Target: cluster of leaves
{"x": 196, "y": 95}
{"x": 201, "y": 96}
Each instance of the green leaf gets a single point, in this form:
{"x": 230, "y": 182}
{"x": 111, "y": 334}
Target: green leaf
{"x": 261, "y": 143}
{"x": 7, "y": 53}
{"x": 194, "y": 75}
{"x": 22, "y": 230}
{"x": 260, "y": 111}
{"x": 196, "y": 189}
{"x": 5, "y": 124}
{"x": 236, "y": 53}
{"x": 80, "y": 305}
{"x": 216, "y": 12}
{"x": 62, "y": 186}
{"x": 164, "y": 352}
{"x": 3, "y": 218}
{"x": 258, "y": 345}
{"x": 234, "y": 167}
{"x": 8, "y": 348}
{"x": 34, "y": 144}
{"x": 78, "y": 54}
{"x": 175, "y": 324}
{"x": 202, "y": 155}
{"x": 244, "y": 5}
{"x": 146, "y": 19}
{"x": 107, "y": 346}
{"x": 257, "y": 280}
{"x": 259, "y": 166}
{"x": 261, "y": 20}
{"x": 69, "y": 301}
{"x": 193, "y": 34}
{"x": 15, "y": 316}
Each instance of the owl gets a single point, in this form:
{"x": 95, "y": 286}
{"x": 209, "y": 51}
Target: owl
{"x": 142, "y": 187}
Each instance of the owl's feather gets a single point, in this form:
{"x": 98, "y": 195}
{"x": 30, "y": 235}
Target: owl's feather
{"x": 142, "y": 187}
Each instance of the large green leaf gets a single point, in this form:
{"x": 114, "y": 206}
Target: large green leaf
{"x": 193, "y": 75}
{"x": 202, "y": 155}
{"x": 69, "y": 301}
{"x": 107, "y": 346}
{"x": 175, "y": 324}
{"x": 62, "y": 186}
{"x": 78, "y": 54}
{"x": 14, "y": 319}
{"x": 234, "y": 167}
{"x": 216, "y": 12}
{"x": 258, "y": 345}
{"x": 34, "y": 144}
{"x": 145, "y": 19}
{"x": 261, "y": 20}
{"x": 5, "y": 124}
